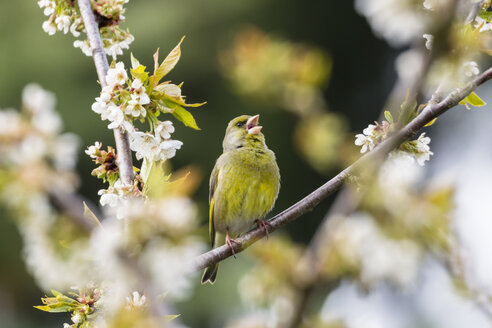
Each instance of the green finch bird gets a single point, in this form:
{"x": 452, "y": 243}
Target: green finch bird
{"x": 244, "y": 185}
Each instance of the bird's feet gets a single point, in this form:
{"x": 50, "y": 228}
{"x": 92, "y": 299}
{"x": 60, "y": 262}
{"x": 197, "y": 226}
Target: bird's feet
{"x": 263, "y": 225}
{"x": 229, "y": 242}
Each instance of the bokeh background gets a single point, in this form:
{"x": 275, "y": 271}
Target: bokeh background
{"x": 359, "y": 75}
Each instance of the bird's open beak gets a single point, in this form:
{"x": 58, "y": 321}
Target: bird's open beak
{"x": 252, "y": 125}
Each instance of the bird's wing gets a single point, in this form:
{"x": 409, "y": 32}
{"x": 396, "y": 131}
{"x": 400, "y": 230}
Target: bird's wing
{"x": 213, "y": 183}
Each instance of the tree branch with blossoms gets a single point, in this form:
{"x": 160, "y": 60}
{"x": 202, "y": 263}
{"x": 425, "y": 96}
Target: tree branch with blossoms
{"x": 305, "y": 205}
{"x": 125, "y": 163}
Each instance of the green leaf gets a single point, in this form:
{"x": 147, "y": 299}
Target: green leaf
{"x": 56, "y": 293}
{"x": 145, "y": 170}
{"x": 475, "y": 100}
{"x": 182, "y": 115}
{"x": 431, "y": 122}
{"x": 168, "y": 63}
{"x": 140, "y": 73}
{"x": 178, "y": 100}
{"x": 472, "y": 99}
{"x": 171, "y": 317}
{"x": 45, "y": 308}
{"x": 388, "y": 116}
{"x": 135, "y": 62}
{"x": 91, "y": 216}
{"x": 487, "y": 15}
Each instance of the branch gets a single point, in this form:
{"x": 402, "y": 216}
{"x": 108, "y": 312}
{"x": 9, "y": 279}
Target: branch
{"x": 125, "y": 163}
{"x": 305, "y": 205}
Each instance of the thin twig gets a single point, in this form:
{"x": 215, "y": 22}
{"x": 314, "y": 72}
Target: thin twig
{"x": 125, "y": 162}
{"x": 312, "y": 200}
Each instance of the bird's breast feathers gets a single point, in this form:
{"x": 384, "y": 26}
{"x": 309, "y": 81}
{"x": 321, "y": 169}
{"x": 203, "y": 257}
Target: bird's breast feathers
{"x": 247, "y": 186}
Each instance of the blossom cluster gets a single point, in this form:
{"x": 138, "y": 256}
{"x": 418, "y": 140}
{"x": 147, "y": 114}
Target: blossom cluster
{"x": 64, "y": 16}
{"x": 402, "y": 22}
{"x": 375, "y": 133}
{"x": 127, "y": 99}
{"x": 37, "y": 161}
{"x": 121, "y": 103}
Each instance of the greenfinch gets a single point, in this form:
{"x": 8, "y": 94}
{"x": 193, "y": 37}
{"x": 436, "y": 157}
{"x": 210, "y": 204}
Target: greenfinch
{"x": 244, "y": 185}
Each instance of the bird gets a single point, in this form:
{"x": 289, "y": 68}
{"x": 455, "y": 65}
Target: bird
{"x": 244, "y": 185}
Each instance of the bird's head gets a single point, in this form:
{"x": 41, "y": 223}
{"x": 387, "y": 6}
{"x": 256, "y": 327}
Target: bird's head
{"x": 243, "y": 131}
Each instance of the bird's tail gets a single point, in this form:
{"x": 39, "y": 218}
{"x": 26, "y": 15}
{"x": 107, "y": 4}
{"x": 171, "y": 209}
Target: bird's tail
{"x": 210, "y": 274}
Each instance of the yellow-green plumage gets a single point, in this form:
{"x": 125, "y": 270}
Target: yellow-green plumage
{"x": 244, "y": 183}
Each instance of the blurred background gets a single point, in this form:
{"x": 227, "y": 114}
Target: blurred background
{"x": 339, "y": 79}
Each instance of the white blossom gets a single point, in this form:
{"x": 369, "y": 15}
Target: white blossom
{"x": 115, "y": 49}
{"x": 48, "y": 5}
{"x": 139, "y": 92}
{"x": 93, "y": 149}
{"x": 164, "y": 129}
{"x": 84, "y": 46}
{"x": 168, "y": 148}
{"x": 145, "y": 145}
{"x": 115, "y": 116}
{"x": 102, "y": 102}
{"x": 63, "y": 23}
{"x": 135, "y": 108}
{"x": 74, "y": 26}
{"x": 429, "y": 40}
{"x": 423, "y": 150}
{"x": 366, "y": 140}
{"x": 470, "y": 68}
{"x": 49, "y": 27}
{"x": 108, "y": 198}
{"x": 116, "y": 76}
{"x": 76, "y": 318}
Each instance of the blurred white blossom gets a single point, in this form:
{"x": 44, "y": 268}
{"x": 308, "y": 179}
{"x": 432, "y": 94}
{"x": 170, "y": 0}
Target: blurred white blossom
{"x": 398, "y": 21}
{"x": 470, "y": 68}
{"x": 429, "y": 40}
{"x": 409, "y": 64}
{"x": 361, "y": 242}
{"x": 136, "y": 301}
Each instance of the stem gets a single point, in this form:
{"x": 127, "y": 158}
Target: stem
{"x": 125, "y": 162}
{"x": 305, "y": 205}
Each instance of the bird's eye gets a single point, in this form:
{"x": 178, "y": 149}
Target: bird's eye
{"x": 240, "y": 124}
